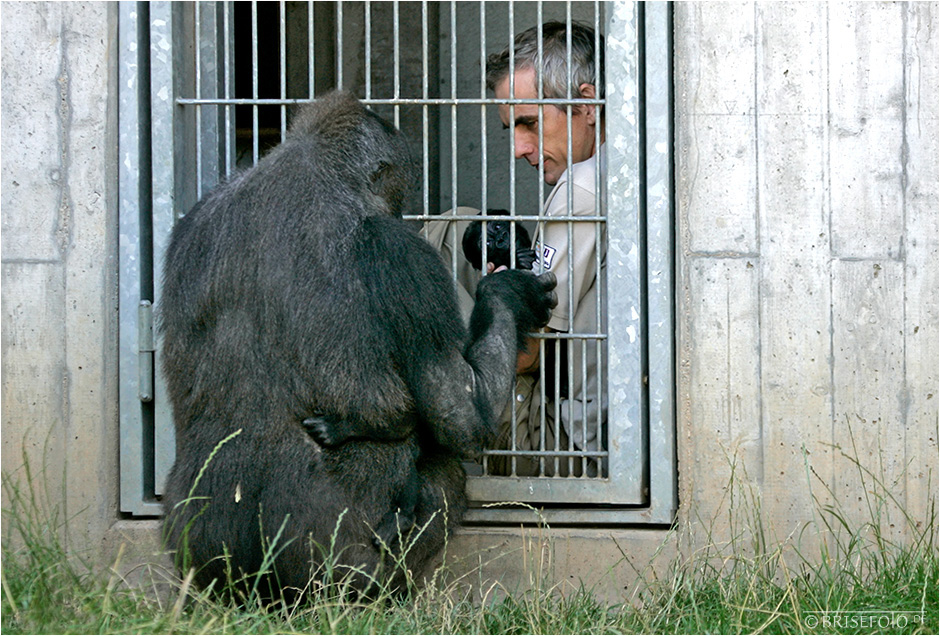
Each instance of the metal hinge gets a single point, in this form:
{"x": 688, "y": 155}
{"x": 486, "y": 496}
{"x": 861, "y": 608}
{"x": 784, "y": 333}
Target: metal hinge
{"x": 145, "y": 351}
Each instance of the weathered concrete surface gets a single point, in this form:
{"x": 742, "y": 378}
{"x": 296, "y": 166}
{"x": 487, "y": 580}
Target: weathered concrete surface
{"x": 614, "y": 563}
{"x": 808, "y": 235}
{"x": 58, "y": 267}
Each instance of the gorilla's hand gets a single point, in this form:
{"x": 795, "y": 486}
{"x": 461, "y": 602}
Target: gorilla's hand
{"x": 529, "y": 298}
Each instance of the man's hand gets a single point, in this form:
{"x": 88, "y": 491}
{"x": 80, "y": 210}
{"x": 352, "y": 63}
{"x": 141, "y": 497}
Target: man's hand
{"x": 528, "y": 361}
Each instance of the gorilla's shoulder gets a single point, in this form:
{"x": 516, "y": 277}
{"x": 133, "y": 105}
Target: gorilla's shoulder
{"x": 402, "y": 267}
{"x": 389, "y": 243}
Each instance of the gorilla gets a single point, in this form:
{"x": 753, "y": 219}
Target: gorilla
{"x": 323, "y": 384}
{"x": 498, "y": 240}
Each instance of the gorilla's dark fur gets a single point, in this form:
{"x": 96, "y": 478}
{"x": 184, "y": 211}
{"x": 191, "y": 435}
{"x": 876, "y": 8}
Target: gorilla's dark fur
{"x": 296, "y": 293}
{"x": 498, "y": 242}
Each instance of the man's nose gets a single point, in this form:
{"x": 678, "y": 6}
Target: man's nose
{"x": 524, "y": 146}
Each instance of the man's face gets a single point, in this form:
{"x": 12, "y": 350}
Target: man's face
{"x": 554, "y": 126}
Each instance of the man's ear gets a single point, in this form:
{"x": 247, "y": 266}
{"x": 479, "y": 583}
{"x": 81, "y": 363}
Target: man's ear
{"x": 587, "y": 91}
{"x": 590, "y": 110}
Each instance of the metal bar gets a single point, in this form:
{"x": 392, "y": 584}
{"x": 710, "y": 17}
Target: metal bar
{"x": 197, "y": 13}
{"x": 556, "y": 516}
{"x": 396, "y": 55}
{"x": 367, "y": 22}
{"x": 133, "y": 193}
{"x": 573, "y": 219}
{"x": 660, "y": 226}
{"x": 164, "y": 140}
{"x": 540, "y": 224}
{"x": 311, "y": 53}
{"x": 600, "y": 239}
{"x": 453, "y": 130}
{"x": 569, "y": 193}
{"x": 483, "y": 153}
{"x": 514, "y": 415}
{"x": 282, "y": 69}
{"x": 402, "y": 101}
{"x": 339, "y": 44}
{"x": 556, "y": 403}
{"x": 624, "y": 370}
{"x": 227, "y": 73}
{"x": 209, "y": 71}
{"x": 547, "y": 453}
{"x": 255, "y": 129}
{"x": 425, "y": 124}
{"x": 512, "y": 140}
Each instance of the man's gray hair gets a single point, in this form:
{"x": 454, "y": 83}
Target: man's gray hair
{"x": 554, "y": 59}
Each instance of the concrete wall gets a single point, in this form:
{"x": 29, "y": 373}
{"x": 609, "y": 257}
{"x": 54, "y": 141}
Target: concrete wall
{"x": 807, "y": 274}
{"x": 59, "y": 273}
{"x": 807, "y": 210}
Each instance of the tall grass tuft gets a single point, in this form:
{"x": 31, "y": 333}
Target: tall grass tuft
{"x": 848, "y": 580}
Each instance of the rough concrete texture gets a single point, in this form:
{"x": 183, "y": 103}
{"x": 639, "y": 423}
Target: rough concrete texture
{"x": 58, "y": 270}
{"x": 807, "y": 210}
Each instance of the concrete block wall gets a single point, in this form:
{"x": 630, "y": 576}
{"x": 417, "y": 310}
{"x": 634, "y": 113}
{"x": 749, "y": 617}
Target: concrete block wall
{"x": 59, "y": 272}
{"x": 807, "y": 284}
{"x": 807, "y": 211}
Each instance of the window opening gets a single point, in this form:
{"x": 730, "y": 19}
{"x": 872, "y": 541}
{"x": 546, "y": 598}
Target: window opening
{"x": 210, "y": 87}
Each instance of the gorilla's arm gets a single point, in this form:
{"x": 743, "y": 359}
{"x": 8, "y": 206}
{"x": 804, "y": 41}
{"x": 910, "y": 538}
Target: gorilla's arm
{"x": 459, "y": 384}
{"x": 509, "y": 305}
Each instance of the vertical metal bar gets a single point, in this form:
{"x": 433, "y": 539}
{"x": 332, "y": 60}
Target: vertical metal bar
{"x": 540, "y": 93}
{"x": 660, "y": 258}
{"x": 600, "y": 243}
{"x": 209, "y": 74}
{"x": 514, "y": 441}
{"x": 255, "y": 142}
{"x": 197, "y": 14}
{"x": 624, "y": 370}
{"x": 569, "y": 193}
{"x": 164, "y": 143}
{"x": 453, "y": 132}
{"x": 540, "y": 229}
{"x": 512, "y": 163}
{"x": 227, "y": 89}
{"x": 368, "y": 45}
{"x": 425, "y": 168}
{"x": 584, "y": 408}
{"x": 133, "y": 193}
{"x": 282, "y": 70}
{"x": 396, "y": 30}
{"x": 483, "y": 153}
{"x": 556, "y": 404}
{"x": 311, "y": 55}
{"x": 339, "y": 44}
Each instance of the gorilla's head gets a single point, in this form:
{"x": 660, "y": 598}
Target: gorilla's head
{"x": 364, "y": 144}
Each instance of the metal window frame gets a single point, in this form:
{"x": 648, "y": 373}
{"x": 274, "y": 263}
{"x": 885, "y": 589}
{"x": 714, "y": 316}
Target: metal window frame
{"x": 640, "y": 248}
{"x": 641, "y": 365}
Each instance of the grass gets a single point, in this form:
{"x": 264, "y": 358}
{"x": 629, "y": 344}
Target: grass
{"x": 855, "y": 580}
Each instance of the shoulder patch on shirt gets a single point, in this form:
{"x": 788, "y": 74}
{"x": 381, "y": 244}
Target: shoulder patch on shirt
{"x": 547, "y": 254}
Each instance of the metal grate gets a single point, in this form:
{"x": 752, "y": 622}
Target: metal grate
{"x": 208, "y": 87}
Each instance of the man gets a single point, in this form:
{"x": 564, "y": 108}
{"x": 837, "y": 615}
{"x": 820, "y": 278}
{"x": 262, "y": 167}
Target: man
{"x": 565, "y": 371}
